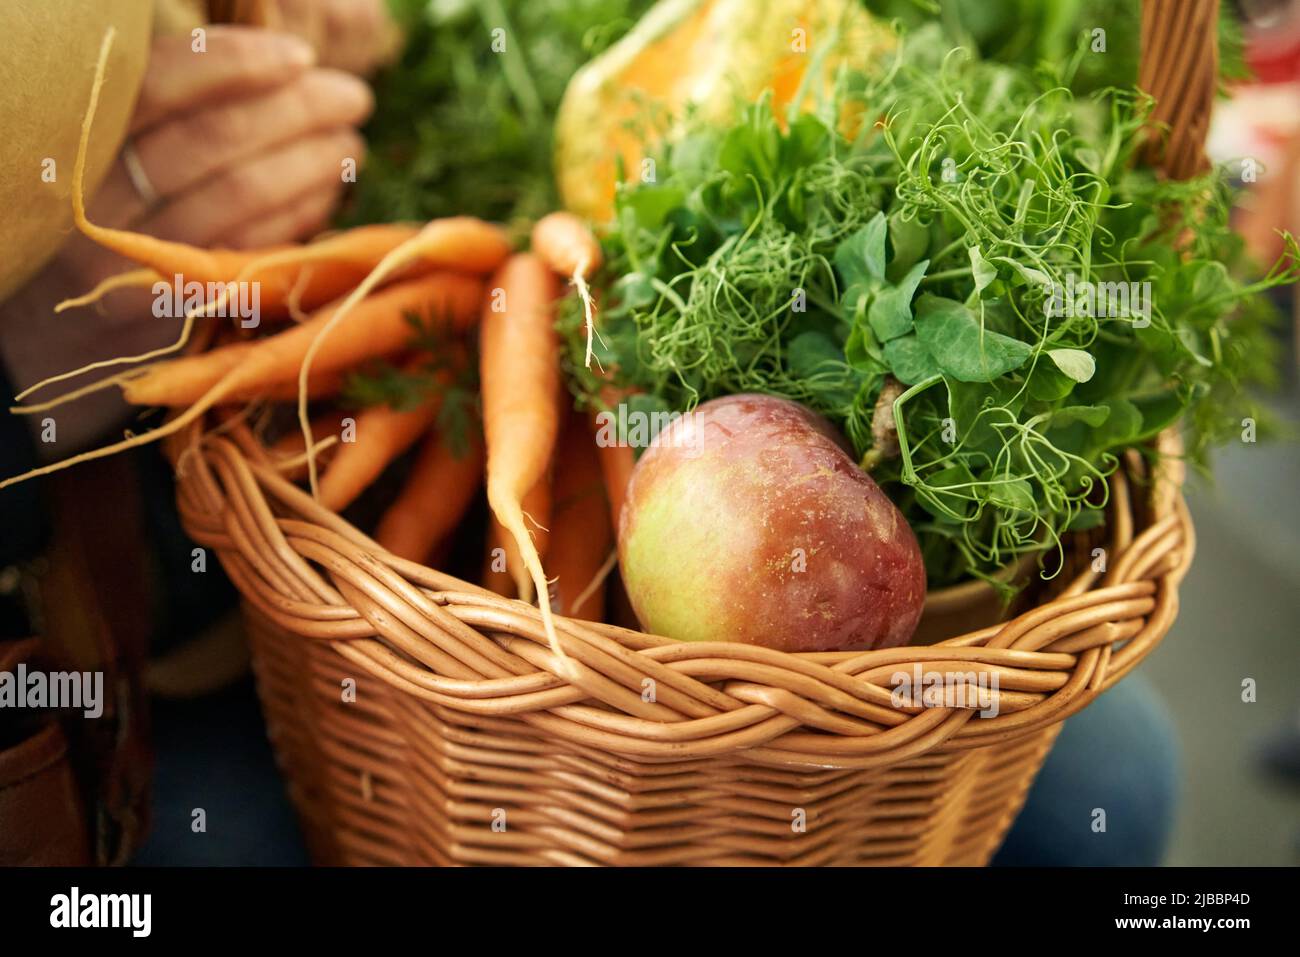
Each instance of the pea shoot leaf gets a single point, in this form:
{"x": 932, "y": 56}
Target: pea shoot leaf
{"x": 982, "y": 271}
{"x": 860, "y": 259}
{"x": 890, "y": 313}
{"x": 1075, "y": 363}
{"x": 910, "y": 361}
{"x": 952, "y": 334}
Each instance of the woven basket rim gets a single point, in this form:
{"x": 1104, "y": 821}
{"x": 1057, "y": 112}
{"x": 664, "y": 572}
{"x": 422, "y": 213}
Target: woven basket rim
{"x": 463, "y": 648}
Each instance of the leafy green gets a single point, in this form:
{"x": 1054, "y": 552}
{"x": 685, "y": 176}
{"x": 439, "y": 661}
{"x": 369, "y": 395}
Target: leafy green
{"x": 460, "y": 129}
{"x": 890, "y": 314}
{"x": 1047, "y": 33}
{"x": 1075, "y": 363}
{"x": 993, "y": 243}
{"x": 445, "y": 372}
{"x": 961, "y": 346}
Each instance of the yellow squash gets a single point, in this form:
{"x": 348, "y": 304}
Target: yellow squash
{"x": 704, "y": 55}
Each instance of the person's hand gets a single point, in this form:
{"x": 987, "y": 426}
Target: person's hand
{"x": 242, "y": 145}
{"x": 352, "y": 35}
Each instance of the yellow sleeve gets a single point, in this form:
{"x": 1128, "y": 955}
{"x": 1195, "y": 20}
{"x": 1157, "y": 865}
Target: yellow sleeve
{"x": 48, "y": 52}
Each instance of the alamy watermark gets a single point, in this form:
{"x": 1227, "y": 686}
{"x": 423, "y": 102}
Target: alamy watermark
{"x": 640, "y": 429}
{"x": 74, "y": 909}
{"x": 975, "y": 690}
{"x": 1100, "y": 300}
{"x": 74, "y": 690}
{"x": 223, "y": 300}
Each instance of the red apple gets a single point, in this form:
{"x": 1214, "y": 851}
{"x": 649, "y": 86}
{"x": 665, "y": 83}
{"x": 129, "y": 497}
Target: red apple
{"x": 747, "y": 520}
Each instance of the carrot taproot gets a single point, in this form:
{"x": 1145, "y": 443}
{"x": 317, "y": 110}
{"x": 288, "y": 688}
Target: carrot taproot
{"x": 519, "y": 379}
{"x": 275, "y": 267}
{"x": 379, "y": 329}
{"x": 379, "y": 435}
{"x": 284, "y": 274}
{"x": 440, "y": 487}
{"x": 581, "y": 538}
{"x": 360, "y": 248}
{"x": 131, "y": 279}
{"x": 537, "y": 515}
{"x": 495, "y": 577}
{"x": 280, "y": 294}
{"x": 564, "y": 243}
{"x": 504, "y": 565}
{"x": 616, "y": 464}
{"x": 616, "y": 457}
{"x": 288, "y": 452}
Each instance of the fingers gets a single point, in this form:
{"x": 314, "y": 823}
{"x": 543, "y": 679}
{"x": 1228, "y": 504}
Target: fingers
{"x": 234, "y": 62}
{"x": 206, "y": 214}
{"x": 300, "y": 218}
{"x": 352, "y": 35}
{"x": 359, "y": 35}
{"x": 188, "y": 150}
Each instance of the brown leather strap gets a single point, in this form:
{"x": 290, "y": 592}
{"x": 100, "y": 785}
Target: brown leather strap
{"x": 42, "y": 817}
{"x": 96, "y": 604}
{"x": 42, "y": 821}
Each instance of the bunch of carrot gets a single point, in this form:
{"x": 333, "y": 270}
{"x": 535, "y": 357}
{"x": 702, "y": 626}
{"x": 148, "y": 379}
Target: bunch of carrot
{"x": 352, "y": 294}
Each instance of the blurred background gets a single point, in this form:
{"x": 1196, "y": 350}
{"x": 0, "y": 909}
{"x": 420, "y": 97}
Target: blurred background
{"x": 1240, "y": 616}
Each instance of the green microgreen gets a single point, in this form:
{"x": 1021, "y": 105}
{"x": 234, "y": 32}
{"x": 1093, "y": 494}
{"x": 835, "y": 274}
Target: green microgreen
{"x": 948, "y": 242}
{"x": 442, "y": 372}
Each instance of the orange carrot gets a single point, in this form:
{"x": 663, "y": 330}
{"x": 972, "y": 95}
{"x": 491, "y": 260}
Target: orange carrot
{"x": 277, "y": 268}
{"x": 378, "y": 327}
{"x": 437, "y": 492}
{"x": 616, "y": 459}
{"x": 281, "y": 291}
{"x": 279, "y": 271}
{"x": 519, "y": 376}
{"x": 581, "y": 540}
{"x": 565, "y": 244}
{"x": 322, "y": 385}
{"x": 461, "y": 242}
{"x": 379, "y": 435}
{"x": 616, "y": 464}
{"x": 504, "y": 564}
{"x": 285, "y": 275}
{"x": 537, "y": 514}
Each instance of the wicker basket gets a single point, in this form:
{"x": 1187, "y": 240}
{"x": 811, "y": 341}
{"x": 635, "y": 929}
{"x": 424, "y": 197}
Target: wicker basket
{"x": 459, "y": 727}
{"x": 419, "y": 719}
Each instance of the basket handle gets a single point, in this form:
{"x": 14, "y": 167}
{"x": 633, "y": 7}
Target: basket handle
{"x": 1180, "y": 68}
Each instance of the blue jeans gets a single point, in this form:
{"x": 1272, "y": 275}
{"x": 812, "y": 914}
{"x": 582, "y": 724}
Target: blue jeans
{"x": 1119, "y": 754}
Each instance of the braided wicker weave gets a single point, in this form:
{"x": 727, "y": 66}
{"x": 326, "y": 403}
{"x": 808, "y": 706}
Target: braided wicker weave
{"x": 744, "y": 755}
{"x": 420, "y": 719}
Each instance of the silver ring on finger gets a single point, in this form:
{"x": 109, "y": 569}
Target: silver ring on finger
{"x": 139, "y": 179}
